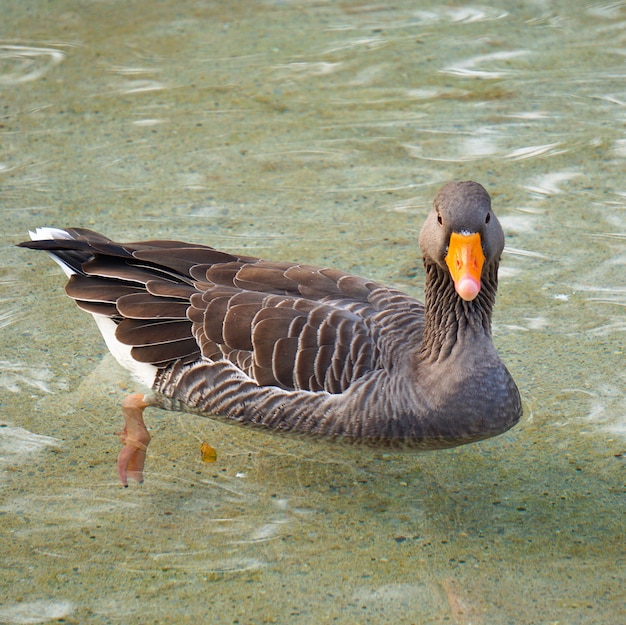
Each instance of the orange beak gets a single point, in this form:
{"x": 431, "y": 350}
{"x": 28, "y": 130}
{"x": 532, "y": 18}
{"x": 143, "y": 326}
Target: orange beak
{"x": 465, "y": 261}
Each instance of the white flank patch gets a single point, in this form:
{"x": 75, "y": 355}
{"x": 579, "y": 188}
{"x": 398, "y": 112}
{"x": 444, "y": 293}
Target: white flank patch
{"x": 141, "y": 371}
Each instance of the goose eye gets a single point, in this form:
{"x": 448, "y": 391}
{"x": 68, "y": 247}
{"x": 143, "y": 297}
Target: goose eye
{"x": 488, "y": 218}
{"x": 439, "y": 219}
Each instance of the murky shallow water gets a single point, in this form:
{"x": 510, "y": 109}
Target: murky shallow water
{"x": 317, "y": 131}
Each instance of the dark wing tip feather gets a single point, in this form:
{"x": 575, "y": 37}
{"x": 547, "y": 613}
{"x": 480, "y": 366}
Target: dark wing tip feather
{"x": 285, "y": 324}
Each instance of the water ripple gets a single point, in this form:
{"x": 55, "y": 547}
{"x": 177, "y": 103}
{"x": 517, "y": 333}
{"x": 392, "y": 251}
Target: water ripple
{"x": 15, "y": 375}
{"x": 136, "y": 79}
{"x": 393, "y": 18}
{"x": 549, "y": 183}
{"x": 42, "y": 611}
{"x": 467, "y": 68}
{"x": 25, "y": 63}
{"x": 16, "y": 442}
{"x": 140, "y": 86}
{"x": 7, "y": 317}
{"x": 532, "y": 151}
{"x": 519, "y": 252}
{"x": 609, "y": 11}
{"x": 484, "y": 143}
{"x": 368, "y": 43}
{"x": 304, "y": 70}
{"x": 473, "y": 14}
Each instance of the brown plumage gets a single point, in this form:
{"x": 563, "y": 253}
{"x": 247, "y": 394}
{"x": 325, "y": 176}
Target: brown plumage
{"x": 295, "y": 348}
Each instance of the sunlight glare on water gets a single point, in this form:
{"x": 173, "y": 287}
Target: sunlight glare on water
{"x": 320, "y": 132}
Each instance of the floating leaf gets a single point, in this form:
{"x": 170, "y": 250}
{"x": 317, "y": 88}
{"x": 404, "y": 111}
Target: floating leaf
{"x": 208, "y": 453}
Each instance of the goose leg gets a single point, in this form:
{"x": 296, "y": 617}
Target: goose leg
{"x": 135, "y": 437}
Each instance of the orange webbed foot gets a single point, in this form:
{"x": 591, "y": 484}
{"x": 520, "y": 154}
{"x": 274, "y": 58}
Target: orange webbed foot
{"x": 135, "y": 437}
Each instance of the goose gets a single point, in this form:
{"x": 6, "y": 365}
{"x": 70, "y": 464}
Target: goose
{"x": 292, "y": 348}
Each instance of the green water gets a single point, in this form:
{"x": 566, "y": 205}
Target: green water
{"x": 316, "y": 131}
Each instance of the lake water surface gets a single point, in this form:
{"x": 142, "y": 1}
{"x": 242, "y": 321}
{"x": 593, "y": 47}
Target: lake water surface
{"x": 316, "y": 131}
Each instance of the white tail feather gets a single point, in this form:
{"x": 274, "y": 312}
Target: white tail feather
{"x": 49, "y": 234}
{"x": 52, "y": 234}
{"x": 141, "y": 371}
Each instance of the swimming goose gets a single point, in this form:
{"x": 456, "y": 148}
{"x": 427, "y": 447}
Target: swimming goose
{"x": 293, "y": 348}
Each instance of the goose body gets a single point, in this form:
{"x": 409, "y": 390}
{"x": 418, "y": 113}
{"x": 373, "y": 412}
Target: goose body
{"x": 293, "y": 348}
